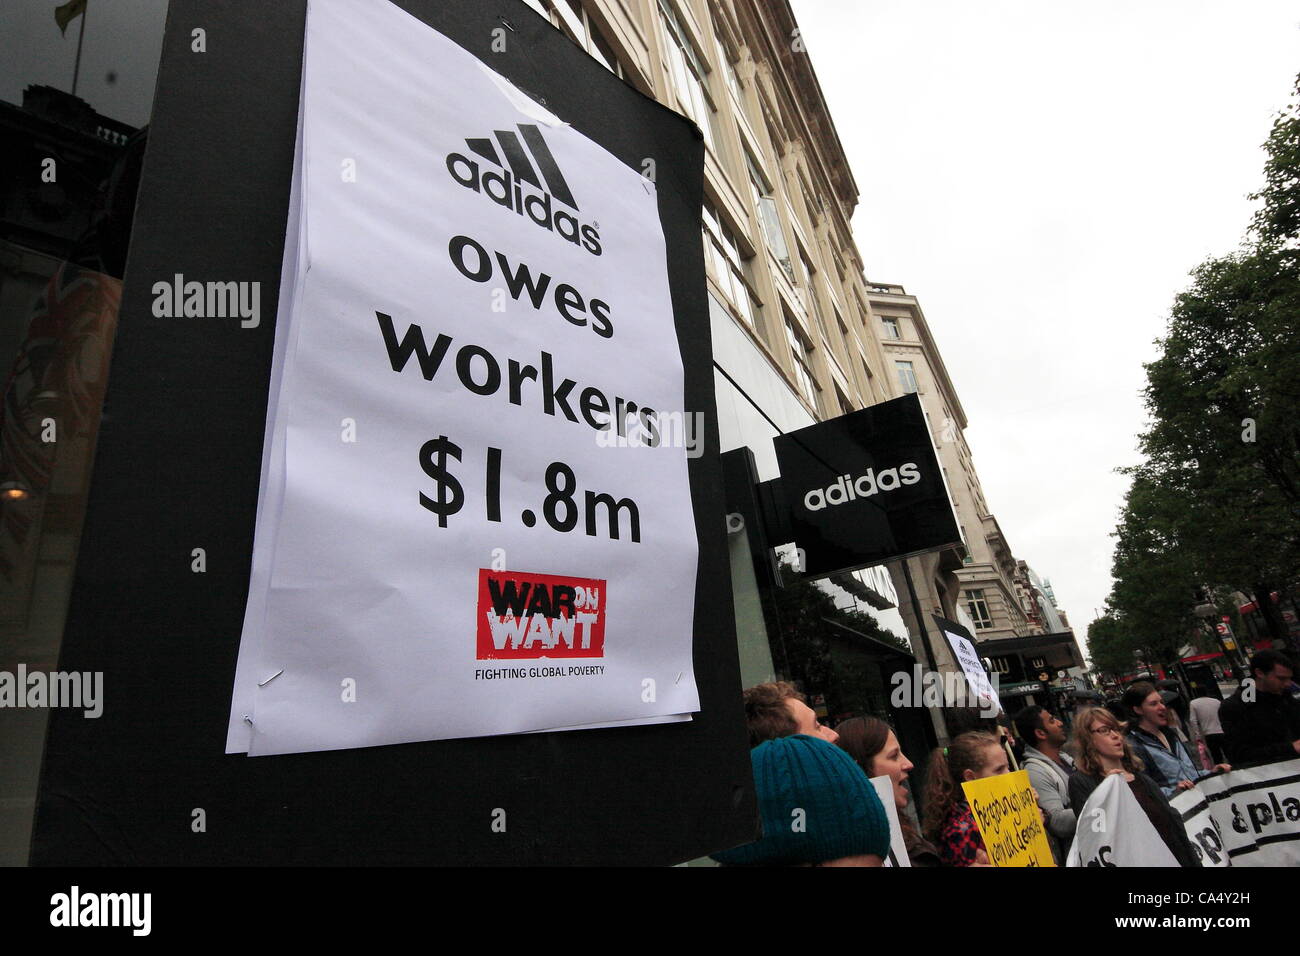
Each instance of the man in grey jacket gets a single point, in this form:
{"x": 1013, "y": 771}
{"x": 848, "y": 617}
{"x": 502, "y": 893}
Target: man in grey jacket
{"x": 1049, "y": 771}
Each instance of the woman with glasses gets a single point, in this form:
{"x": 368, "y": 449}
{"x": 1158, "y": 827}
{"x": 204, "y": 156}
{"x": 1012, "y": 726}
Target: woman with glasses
{"x": 1102, "y": 749}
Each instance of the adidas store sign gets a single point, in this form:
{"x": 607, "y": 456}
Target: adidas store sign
{"x": 506, "y": 187}
{"x": 847, "y": 488}
{"x": 860, "y": 489}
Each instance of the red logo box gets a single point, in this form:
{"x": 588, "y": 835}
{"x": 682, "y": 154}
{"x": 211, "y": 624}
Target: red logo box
{"x": 524, "y": 616}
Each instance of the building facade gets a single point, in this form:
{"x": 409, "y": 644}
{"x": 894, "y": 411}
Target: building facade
{"x": 799, "y": 335}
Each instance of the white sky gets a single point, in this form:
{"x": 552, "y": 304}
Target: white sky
{"x": 1043, "y": 175}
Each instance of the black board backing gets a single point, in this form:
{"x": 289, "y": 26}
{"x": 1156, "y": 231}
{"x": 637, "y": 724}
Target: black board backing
{"x": 177, "y": 469}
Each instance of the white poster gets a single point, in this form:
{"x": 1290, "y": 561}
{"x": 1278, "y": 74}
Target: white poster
{"x": 976, "y": 677}
{"x": 469, "y": 521}
{"x": 1253, "y": 816}
{"x": 897, "y": 846}
{"x": 1113, "y": 830}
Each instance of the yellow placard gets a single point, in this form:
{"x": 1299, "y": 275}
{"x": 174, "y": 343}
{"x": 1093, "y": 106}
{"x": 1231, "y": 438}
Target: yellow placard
{"x": 1009, "y": 820}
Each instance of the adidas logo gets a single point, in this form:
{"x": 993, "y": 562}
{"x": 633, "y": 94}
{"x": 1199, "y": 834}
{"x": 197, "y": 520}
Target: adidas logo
{"x": 846, "y": 488}
{"x": 505, "y": 187}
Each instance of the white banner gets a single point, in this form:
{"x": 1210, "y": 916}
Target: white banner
{"x": 469, "y": 521}
{"x": 1202, "y": 828}
{"x": 1113, "y": 830}
{"x": 1247, "y": 817}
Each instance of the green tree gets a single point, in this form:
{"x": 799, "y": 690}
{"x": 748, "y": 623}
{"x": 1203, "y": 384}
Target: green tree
{"x": 1111, "y": 647}
{"x": 1277, "y": 222}
{"x": 1155, "y": 574}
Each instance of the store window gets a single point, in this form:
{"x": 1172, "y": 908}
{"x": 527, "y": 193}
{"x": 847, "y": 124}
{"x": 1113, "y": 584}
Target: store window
{"x": 75, "y": 100}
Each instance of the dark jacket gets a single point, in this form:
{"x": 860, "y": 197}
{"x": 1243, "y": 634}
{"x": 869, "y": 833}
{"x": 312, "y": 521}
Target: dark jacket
{"x": 1083, "y": 784}
{"x": 1261, "y": 730}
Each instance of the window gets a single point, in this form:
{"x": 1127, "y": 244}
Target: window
{"x": 803, "y": 375}
{"x": 891, "y": 327}
{"x": 811, "y": 302}
{"x": 978, "y": 609}
{"x": 688, "y": 74}
{"x": 731, "y": 269}
{"x": 846, "y": 406}
{"x": 571, "y": 18}
{"x": 768, "y": 216}
{"x": 906, "y": 377}
{"x": 58, "y": 316}
{"x": 728, "y": 68}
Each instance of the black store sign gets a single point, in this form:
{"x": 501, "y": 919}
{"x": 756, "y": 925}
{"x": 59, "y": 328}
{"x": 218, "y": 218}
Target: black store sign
{"x": 865, "y": 488}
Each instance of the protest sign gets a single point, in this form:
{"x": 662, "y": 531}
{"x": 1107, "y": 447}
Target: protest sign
{"x": 1202, "y": 827}
{"x": 1009, "y": 820}
{"x": 470, "y": 522}
{"x": 983, "y": 694}
{"x": 1248, "y": 817}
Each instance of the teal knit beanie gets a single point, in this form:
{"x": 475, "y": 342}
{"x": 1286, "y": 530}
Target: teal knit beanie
{"x": 816, "y": 805}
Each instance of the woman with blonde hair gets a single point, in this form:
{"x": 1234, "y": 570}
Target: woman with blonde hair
{"x": 1102, "y": 749}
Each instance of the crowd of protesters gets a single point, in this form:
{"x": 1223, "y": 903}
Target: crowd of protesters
{"x": 819, "y": 808}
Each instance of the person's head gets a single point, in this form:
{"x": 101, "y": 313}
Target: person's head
{"x": 973, "y": 755}
{"x": 1145, "y": 707}
{"x": 962, "y": 719}
{"x": 777, "y": 709}
{"x": 1037, "y": 727}
{"x": 873, "y": 745}
{"x": 817, "y": 807}
{"x": 1098, "y": 734}
{"x": 1273, "y": 671}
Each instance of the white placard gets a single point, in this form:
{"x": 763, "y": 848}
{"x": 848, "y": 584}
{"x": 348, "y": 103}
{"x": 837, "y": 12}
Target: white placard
{"x": 448, "y": 544}
{"x": 976, "y": 677}
{"x": 897, "y": 846}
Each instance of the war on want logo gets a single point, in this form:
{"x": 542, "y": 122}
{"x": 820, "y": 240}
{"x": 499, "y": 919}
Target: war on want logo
{"x": 505, "y": 187}
{"x": 524, "y": 616}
